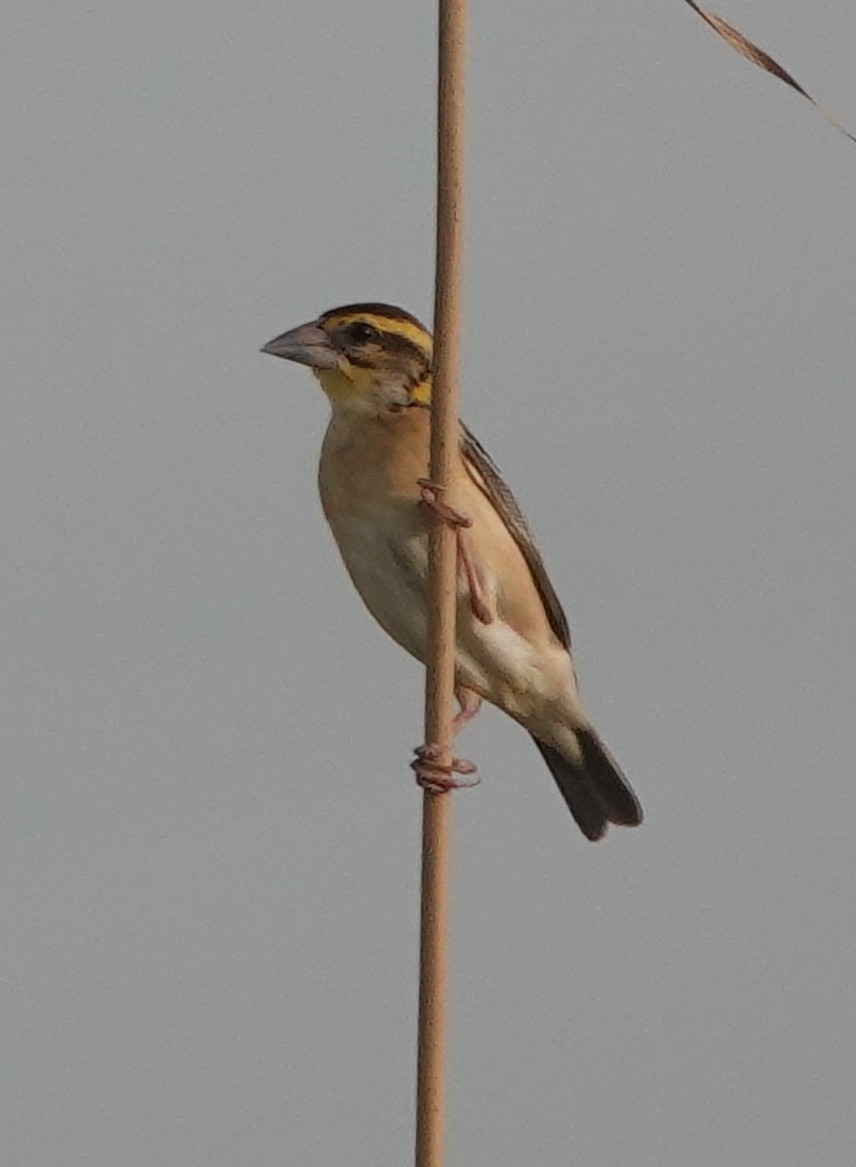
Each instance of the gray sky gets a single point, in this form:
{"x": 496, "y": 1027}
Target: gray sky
{"x": 210, "y": 835}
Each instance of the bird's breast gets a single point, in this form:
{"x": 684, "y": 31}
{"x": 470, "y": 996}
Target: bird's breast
{"x": 368, "y": 485}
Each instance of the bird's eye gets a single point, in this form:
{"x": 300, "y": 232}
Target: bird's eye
{"x": 363, "y": 332}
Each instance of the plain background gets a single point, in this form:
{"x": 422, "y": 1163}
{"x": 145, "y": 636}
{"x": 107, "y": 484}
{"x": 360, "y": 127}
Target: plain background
{"x": 209, "y": 833}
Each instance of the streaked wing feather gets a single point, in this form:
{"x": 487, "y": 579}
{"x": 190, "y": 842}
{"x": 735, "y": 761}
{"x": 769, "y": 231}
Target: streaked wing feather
{"x": 487, "y": 477}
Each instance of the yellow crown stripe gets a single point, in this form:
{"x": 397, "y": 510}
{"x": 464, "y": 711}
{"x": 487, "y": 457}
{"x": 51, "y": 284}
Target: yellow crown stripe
{"x": 389, "y": 324}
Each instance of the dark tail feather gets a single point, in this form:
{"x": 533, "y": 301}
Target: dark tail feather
{"x": 596, "y": 791}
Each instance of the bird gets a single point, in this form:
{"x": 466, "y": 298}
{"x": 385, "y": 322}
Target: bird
{"x": 513, "y": 644}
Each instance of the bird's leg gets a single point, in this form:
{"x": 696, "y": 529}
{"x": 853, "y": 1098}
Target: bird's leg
{"x": 470, "y": 704}
{"x": 459, "y": 522}
{"x": 479, "y": 607}
{"x": 431, "y": 774}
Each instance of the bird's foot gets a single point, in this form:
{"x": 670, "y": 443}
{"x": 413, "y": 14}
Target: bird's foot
{"x": 440, "y": 777}
{"x": 431, "y": 492}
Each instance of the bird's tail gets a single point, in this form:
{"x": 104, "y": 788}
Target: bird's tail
{"x": 596, "y": 791}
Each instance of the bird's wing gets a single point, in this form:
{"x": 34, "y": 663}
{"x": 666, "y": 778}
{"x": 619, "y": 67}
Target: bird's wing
{"x": 485, "y": 473}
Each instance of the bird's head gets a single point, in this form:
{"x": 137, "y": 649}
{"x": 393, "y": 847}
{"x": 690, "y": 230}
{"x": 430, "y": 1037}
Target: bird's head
{"x": 368, "y": 357}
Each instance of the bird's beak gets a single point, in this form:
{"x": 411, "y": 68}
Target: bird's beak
{"x": 307, "y": 345}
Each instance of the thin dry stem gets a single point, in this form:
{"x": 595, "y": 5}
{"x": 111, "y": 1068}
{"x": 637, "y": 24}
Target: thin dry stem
{"x": 439, "y": 689}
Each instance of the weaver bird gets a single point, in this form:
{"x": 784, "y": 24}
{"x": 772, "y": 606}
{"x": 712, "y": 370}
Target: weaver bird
{"x": 513, "y": 644}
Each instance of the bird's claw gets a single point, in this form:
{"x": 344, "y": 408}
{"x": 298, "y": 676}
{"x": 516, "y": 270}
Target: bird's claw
{"x": 440, "y": 777}
{"x": 431, "y": 492}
